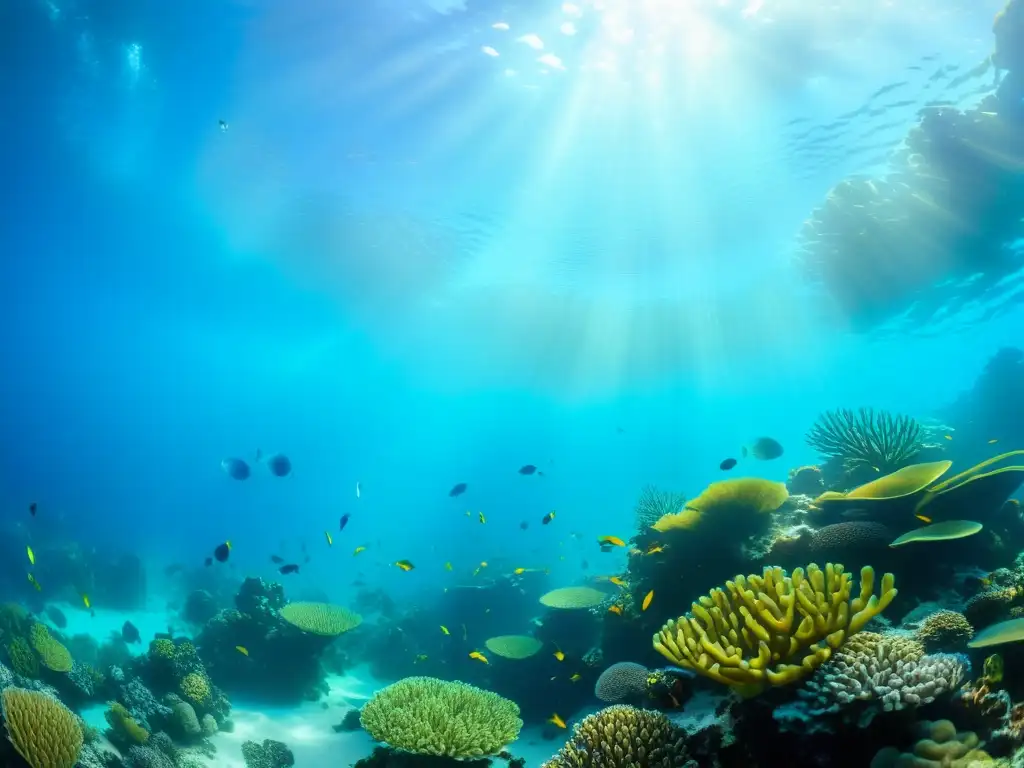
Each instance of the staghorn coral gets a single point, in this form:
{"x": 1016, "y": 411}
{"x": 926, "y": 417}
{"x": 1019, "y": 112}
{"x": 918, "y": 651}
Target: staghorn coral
{"x": 42, "y": 730}
{"x": 743, "y": 506}
{"x": 428, "y": 716}
{"x": 52, "y": 654}
{"x": 269, "y": 754}
{"x": 321, "y": 619}
{"x": 195, "y": 687}
{"x": 654, "y": 504}
{"x": 939, "y": 745}
{"x": 945, "y": 631}
{"x": 889, "y": 670}
{"x": 623, "y": 737}
{"x": 772, "y": 629}
{"x": 867, "y": 437}
{"x": 124, "y": 729}
{"x": 622, "y": 682}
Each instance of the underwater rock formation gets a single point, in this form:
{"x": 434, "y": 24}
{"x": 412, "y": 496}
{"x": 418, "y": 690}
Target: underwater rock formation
{"x": 269, "y": 754}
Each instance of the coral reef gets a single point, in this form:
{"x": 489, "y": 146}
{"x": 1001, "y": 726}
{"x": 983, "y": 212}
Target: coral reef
{"x": 623, "y": 737}
{"x": 751, "y": 636}
{"x": 43, "y": 731}
{"x": 434, "y": 717}
{"x": 945, "y": 631}
{"x": 866, "y": 438}
{"x": 269, "y": 754}
{"x": 939, "y": 745}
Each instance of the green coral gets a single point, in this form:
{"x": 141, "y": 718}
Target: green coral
{"x": 866, "y": 437}
{"x": 428, "y": 716}
{"x": 52, "y": 653}
{"x": 321, "y": 619}
{"x": 23, "y": 659}
{"x": 124, "y": 728}
{"x": 161, "y": 649}
{"x": 623, "y": 737}
{"x": 195, "y": 687}
{"x": 772, "y": 629}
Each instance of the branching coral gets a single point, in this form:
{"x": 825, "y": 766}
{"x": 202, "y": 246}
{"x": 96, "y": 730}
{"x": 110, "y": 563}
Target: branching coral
{"x": 427, "y": 716}
{"x": 772, "y": 629}
{"x": 654, "y": 504}
{"x": 42, "y": 730}
{"x": 945, "y": 631}
{"x": 623, "y": 737}
{"x": 867, "y": 437}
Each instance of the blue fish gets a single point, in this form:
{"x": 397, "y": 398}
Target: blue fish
{"x": 458, "y": 489}
{"x": 344, "y": 521}
{"x": 236, "y": 469}
{"x": 279, "y": 465}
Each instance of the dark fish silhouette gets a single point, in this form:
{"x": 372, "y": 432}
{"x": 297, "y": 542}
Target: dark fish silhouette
{"x": 524, "y": 525}
{"x": 130, "y": 633}
{"x": 276, "y": 559}
{"x": 344, "y": 521}
{"x": 548, "y": 518}
{"x": 237, "y": 469}
{"x": 458, "y": 489}
{"x": 727, "y": 464}
{"x": 208, "y": 562}
{"x": 764, "y": 448}
{"x": 32, "y": 508}
{"x": 279, "y": 465}
{"x": 222, "y": 551}
{"x": 528, "y": 469}
{"x": 290, "y": 568}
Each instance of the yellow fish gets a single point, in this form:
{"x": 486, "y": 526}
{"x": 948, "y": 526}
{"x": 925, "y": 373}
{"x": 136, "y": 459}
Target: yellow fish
{"x": 993, "y": 442}
{"x": 242, "y": 650}
{"x": 445, "y": 629}
{"x": 655, "y": 549}
{"x": 923, "y": 519}
{"x": 559, "y": 655}
{"x": 948, "y": 437}
{"x": 421, "y": 657}
{"x": 647, "y": 601}
{"x": 86, "y": 601}
{"x": 482, "y": 518}
{"x": 448, "y": 566}
{"x": 548, "y": 518}
{"x": 483, "y": 563}
{"x": 31, "y": 556}
{"x": 617, "y": 581}
{"x": 330, "y": 541}
{"x": 615, "y": 609}
{"x": 34, "y": 583}
{"x": 479, "y": 657}
{"x": 357, "y": 550}
{"x": 576, "y": 678}
{"x": 556, "y": 720}
{"x": 613, "y": 541}
{"x": 405, "y": 565}
{"x": 519, "y": 571}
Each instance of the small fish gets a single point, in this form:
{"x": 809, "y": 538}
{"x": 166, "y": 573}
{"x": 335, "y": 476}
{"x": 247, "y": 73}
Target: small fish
{"x": 529, "y": 469}
{"x": 242, "y": 650}
{"x": 458, "y": 489}
{"x": 615, "y": 609}
{"x": 330, "y": 541}
{"x": 33, "y": 507}
{"x": 444, "y": 629}
{"x": 344, "y": 521}
{"x": 223, "y": 126}
{"x": 405, "y": 565}
{"x": 576, "y": 678}
{"x": 279, "y": 465}
{"x": 610, "y": 541}
{"x": 359, "y": 490}
{"x": 286, "y": 569}
{"x": 559, "y": 655}
{"x": 86, "y": 602}
{"x": 764, "y": 449}
{"x": 448, "y": 566}
{"x": 482, "y": 518}
{"x": 948, "y": 437}
{"x": 548, "y": 518}
{"x": 617, "y": 581}
{"x": 728, "y": 464}
{"x": 34, "y": 583}
{"x": 556, "y": 720}
{"x": 519, "y": 571}
{"x": 647, "y": 601}
{"x": 923, "y": 519}
{"x": 130, "y": 633}
{"x": 31, "y": 556}
{"x": 208, "y": 562}
{"x": 654, "y": 549}
{"x": 222, "y": 551}
{"x": 236, "y": 469}
{"x": 276, "y": 559}
{"x": 419, "y": 658}
{"x": 990, "y": 442}
{"x": 524, "y": 525}
{"x": 357, "y": 550}
{"x": 479, "y": 657}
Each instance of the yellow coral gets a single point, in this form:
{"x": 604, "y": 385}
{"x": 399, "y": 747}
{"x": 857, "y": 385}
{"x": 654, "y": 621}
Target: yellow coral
{"x": 321, "y": 618}
{"x": 624, "y": 737}
{"x": 42, "y": 730}
{"x": 743, "y": 504}
{"x": 752, "y": 636}
{"x": 945, "y": 631}
{"x": 124, "y": 726}
{"x": 53, "y": 655}
{"x": 195, "y": 687}
{"x": 161, "y": 648}
{"x": 427, "y": 716}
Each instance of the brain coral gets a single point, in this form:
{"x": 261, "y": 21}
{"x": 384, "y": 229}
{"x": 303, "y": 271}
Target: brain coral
{"x": 945, "y": 631}
{"x": 53, "y": 655}
{"x": 622, "y": 681}
{"x": 427, "y": 716}
{"x": 623, "y": 737}
{"x": 42, "y": 730}
{"x": 843, "y": 539}
{"x": 321, "y": 618}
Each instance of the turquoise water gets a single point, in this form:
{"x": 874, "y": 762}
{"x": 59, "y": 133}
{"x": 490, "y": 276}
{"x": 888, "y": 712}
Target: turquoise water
{"x": 417, "y": 243}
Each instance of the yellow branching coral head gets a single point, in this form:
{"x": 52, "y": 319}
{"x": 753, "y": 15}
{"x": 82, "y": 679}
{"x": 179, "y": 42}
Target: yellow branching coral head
{"x": 195, "y": 687}
{"x": 772, "y": 629}
{"x": 427, "y": 716}
{"x": 124, "y": 725}
{"x": 161, "y": 649}
{"x": 623, "y": 737}
{"x": 742, "y": 505}
{"x": 53, "y": 655}
{"x": 321, "y": 618}
{"x": 42, "y": 730}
